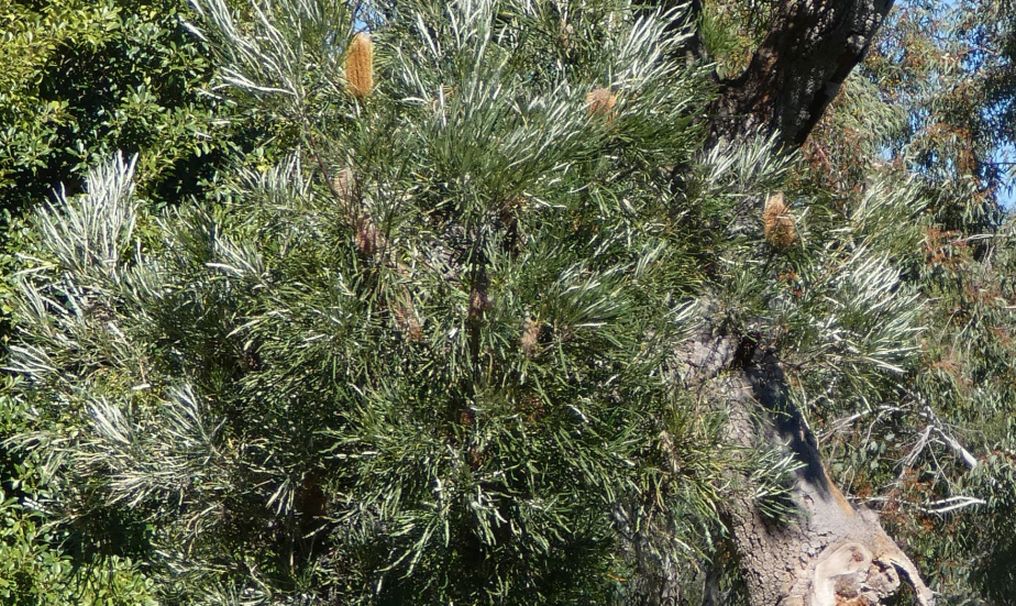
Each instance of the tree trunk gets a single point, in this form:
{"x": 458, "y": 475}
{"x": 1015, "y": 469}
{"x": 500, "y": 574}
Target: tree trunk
{"x": 830, "y": 554}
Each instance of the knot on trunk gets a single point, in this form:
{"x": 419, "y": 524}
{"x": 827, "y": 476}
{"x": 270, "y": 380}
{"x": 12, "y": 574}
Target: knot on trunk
{"x": 851, "y": 574}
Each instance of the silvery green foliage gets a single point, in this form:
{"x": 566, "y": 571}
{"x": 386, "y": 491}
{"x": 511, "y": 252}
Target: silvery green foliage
{"x": 282, "y": 45}
{"x": 867, "y": 315}
{"x": 426, "y": 358}
{"x": 91, "y": 233}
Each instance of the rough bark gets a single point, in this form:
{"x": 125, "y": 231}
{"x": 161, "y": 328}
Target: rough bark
{"x": 830, "y": 553}
{"x": 797, "y": 70}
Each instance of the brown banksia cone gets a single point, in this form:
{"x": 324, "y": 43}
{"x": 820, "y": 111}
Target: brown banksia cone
{"x": 777, "y": 222}
{"x": 367, "y": 238}
{"x": 536, "y": 336}
{"x": 344, "y": 185}
{"x": 601, "y": 102}
{"x": 479, "y": 303}
{"x": 532, "y": 408}
{"x": 407, "y": 320}
{"x": 565, "y": 34}
{"x": 360, "y": 66}
{"x": 530, "y": 341}
{"x": 476, "y": 457}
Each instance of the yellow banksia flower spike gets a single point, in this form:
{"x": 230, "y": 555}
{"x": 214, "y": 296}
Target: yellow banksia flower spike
{"x": 360, "y": 66}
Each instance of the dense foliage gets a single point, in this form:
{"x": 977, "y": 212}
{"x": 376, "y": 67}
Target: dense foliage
{"x": 85, "y": 79}
{"x": 335, "y": 391}
{"x": 81, "y": 80}
{"x": 428, "y": 355}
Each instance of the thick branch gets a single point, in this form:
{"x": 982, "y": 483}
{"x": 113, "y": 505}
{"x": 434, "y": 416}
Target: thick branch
{"x": 807, "y": 54}
{"x": 831, "y": 553}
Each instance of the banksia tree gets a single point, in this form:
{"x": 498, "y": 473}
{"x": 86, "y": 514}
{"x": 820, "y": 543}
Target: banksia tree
{"x": 491, "y": 338}
{"x": 327, "y": 359}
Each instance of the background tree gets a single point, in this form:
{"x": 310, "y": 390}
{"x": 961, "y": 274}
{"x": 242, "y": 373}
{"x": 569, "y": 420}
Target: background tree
{"x": 938, "y": 71}
{"x": 84, "y": 79}
{"x": 80, "y": 80}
